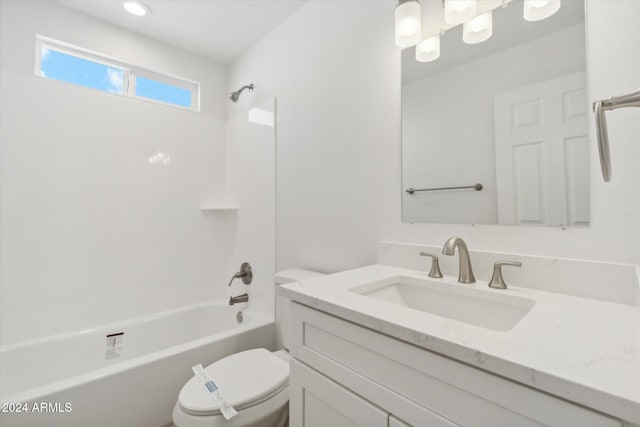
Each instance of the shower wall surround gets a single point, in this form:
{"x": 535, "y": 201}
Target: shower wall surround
{"x": 339, "y": 140}
{"x": 251, "y": 185}
{"x": 91, "y": 231}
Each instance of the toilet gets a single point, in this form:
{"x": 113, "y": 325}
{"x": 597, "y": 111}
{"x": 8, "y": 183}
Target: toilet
{"x": 255, "y": 382}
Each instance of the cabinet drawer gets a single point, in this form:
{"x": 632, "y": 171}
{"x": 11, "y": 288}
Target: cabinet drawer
{"x": 460, "y": 393}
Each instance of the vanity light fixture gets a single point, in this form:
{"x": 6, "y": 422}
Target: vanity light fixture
{"x": 428, "y": 50}
{"x": 136, "y": 8}
{"x": 478, "y": 29}
{"x": 408, "y": 23}
{"x": 475, "y": 16}
{"x": 536, "y": 10}
{"x": 458, "y": 11}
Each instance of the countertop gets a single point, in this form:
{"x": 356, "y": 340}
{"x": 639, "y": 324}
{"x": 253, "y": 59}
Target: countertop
{"x": 584, "y": 350}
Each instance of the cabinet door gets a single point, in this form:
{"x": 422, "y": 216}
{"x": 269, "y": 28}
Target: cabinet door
{"x": 316, "y": 401}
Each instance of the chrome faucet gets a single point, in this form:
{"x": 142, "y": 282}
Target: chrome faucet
{"x": 465, "y": 273}
{"x": 239, "y": 298}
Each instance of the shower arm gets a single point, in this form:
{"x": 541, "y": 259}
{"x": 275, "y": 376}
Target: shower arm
{"x": 599, "y": 107}
{"x": 249, "y": 86}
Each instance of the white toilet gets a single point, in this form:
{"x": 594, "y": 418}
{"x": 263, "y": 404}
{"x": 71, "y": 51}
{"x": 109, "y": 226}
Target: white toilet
{"x": 255, "y": 382}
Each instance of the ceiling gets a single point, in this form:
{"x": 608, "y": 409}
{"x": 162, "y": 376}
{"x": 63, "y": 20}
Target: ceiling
{"x": 220, "y": 30}
{"x": 509, "y": 29}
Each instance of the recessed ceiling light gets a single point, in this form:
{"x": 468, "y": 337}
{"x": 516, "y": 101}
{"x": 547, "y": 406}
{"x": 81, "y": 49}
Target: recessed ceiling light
{"x": 136, "y": 8}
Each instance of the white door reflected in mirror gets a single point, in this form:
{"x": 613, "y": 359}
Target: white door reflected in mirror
{"x": 542, "y": 153}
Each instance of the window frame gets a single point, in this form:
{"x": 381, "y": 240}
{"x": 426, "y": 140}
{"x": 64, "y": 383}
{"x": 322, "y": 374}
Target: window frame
{"x": 130, "y": 73}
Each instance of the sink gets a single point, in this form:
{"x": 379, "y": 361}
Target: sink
{"x": 478, "y": 307}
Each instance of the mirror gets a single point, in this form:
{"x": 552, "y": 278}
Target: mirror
{"x": 510, "y": 113}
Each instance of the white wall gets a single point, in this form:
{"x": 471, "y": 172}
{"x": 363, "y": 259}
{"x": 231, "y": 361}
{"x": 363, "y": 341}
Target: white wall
{"x": 336, "y": 73}
{"x": 462, "y": 143}
{"x": 337, "y": 81}
{"x": 614, "y": 69}
{"x": 91, "y": 232}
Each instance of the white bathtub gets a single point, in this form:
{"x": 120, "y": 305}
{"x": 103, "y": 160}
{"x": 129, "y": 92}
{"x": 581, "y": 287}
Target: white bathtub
{"x": 69, "y": 379}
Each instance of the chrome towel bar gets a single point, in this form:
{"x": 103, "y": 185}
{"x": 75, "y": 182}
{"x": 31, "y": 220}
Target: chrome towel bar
{"x": 599, "y": 107}
{"x": 476, "y": 187}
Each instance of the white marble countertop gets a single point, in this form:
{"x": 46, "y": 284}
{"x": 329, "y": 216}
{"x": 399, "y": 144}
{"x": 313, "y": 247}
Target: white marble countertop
{"x": 584, "y": 350}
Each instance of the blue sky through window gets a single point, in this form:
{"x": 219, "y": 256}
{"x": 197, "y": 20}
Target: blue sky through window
{"x": 83, "y": 72}
{"x": 152, "y": 89}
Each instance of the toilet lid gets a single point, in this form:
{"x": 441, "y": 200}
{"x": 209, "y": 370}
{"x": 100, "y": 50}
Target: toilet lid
{"x": 244, "y": 379}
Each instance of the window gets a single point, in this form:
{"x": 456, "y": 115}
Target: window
{"x": 60, "y": 61}
{"x": 163, "y": 92}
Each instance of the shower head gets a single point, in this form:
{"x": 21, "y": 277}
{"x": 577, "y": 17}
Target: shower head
{"x": 236, "y": 95}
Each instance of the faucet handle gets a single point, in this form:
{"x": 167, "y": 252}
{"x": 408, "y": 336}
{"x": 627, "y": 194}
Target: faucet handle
{"x": 497, "y": 281}
{"x": 245, "y": 273}
{"x": 435, "y": 265}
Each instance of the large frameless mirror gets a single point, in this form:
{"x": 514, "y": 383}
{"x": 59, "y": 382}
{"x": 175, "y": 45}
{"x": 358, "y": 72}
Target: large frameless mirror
{"x": 509, "y": 114}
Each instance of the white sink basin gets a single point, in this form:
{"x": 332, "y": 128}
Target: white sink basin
{"x": 479, "y": 307}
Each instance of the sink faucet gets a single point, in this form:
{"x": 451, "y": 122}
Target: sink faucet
{"x": 465, "y": 274}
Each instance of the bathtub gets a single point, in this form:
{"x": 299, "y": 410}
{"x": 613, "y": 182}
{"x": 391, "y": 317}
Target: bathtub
{"x": 122, "y": 374}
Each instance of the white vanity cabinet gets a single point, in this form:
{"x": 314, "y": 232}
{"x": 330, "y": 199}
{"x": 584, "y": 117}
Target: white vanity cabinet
{"x": 344, "y": 374}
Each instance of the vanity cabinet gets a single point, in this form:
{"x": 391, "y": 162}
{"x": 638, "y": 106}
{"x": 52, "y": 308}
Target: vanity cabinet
{"x": 352, "y": 375}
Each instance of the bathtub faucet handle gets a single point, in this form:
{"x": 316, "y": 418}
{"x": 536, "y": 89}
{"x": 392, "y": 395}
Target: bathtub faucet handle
{"x": 245, "y": 274}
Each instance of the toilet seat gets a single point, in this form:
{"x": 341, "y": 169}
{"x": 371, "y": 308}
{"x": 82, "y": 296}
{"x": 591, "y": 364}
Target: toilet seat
{"x": 245, "y": 379}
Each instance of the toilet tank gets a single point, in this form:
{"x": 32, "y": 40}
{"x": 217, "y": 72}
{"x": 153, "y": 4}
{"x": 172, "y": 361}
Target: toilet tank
{"x": 282, "y": 303}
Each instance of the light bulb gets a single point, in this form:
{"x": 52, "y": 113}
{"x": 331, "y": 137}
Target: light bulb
{"x": 478, "y": 29}
{"x": 459, "y": 11}
{"x": 408, "y": 24}
{"x": 428, "y": 49}
{"x": 536, "y": 10}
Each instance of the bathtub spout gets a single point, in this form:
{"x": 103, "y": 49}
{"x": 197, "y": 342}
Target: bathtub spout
{"x": 239, "y": 298}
